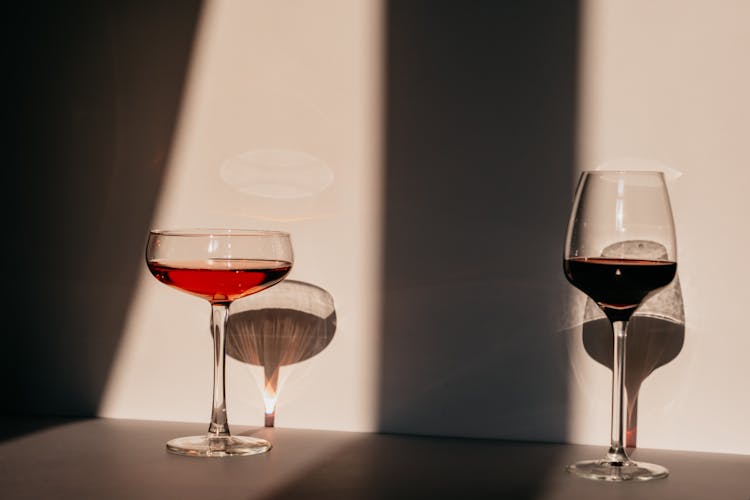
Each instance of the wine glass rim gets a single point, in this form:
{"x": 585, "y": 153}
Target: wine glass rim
{"x": 636, "y": 172}
{"x": 203, "y": 232}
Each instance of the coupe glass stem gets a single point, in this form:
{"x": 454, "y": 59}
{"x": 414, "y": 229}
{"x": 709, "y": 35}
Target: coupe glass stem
{"x": 616, "y": 451}
{"x": 219, "y": 425}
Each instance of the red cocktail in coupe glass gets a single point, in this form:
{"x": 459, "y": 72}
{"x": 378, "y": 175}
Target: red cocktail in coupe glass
{"x": 219, "y": 265}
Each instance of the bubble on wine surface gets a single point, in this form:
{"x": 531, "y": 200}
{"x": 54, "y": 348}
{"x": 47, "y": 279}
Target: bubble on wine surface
{"x": 277, "y": 173}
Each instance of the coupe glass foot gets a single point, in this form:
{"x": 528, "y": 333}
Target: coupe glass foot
{"x": 605, "y": 470}
{"x": 218, "y": 446}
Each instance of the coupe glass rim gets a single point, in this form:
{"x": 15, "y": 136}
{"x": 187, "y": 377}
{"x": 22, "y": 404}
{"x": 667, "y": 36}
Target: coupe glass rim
{"x": 203, "y": 232}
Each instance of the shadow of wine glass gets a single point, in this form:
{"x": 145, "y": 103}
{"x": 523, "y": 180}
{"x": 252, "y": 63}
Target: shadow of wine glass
{"x": 656, "y": 334}
{"x": 286, "y": 324}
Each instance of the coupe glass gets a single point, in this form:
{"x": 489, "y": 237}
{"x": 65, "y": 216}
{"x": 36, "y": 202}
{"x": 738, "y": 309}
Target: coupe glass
{"x": 617, "y": 219}
{"x": 219, "y": 265}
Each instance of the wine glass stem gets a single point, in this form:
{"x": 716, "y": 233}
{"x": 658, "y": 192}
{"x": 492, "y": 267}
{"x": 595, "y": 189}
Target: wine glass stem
{"x": 219, "y": 425}
{"x": 616, "y": 451}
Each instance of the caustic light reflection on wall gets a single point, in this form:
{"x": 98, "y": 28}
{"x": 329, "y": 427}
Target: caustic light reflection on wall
{"x": 287, "y": 324}
{"x": 277, "y": 173}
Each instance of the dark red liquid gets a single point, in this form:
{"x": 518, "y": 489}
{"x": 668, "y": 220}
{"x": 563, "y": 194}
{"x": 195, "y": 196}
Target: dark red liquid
{"x": 220, "y": 280}
{"x": 618, "y": 285}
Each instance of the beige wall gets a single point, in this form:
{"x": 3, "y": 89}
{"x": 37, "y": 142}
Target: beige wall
{"x": 668, "y": 80}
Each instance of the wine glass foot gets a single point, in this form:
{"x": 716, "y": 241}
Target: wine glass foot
{"x": 606, "y": 470}
{"x": 218, "y": 446}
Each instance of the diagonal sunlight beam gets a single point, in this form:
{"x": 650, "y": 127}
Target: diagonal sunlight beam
{"x": 279, "y": 129}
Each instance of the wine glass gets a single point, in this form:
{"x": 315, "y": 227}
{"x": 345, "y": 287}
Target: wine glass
{"x": 632, "y": 208}
{"x": 219, "y": 265}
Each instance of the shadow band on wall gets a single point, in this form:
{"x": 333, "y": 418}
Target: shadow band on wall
{"x": 479, "y": 137}
{"x": 96, "y": 89}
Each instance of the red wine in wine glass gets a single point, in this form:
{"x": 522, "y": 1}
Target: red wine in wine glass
{"x": 618, "y": 286}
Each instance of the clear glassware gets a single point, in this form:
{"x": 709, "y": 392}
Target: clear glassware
{"x": 219, "y": 265}
{"x": 610, "y": 208}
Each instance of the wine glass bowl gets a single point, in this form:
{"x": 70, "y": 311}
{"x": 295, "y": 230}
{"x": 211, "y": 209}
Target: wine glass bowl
{"x": 617, "y": 219}
{"x": 220, "y": 266}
